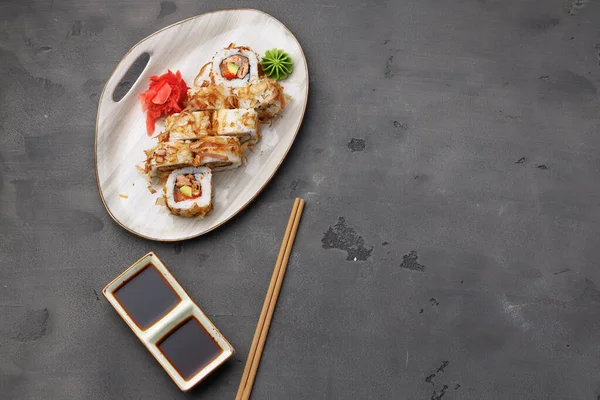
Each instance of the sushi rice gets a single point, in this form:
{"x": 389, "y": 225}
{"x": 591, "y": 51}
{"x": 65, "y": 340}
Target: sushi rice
{"x": 220, "y": 153}
{"x": 198, "y": 207}
{"x": 241, "y": 123}
{"x": 189, "y": 125}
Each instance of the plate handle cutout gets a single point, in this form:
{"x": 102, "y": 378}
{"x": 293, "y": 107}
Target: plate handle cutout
{"x": 130, "y": 77}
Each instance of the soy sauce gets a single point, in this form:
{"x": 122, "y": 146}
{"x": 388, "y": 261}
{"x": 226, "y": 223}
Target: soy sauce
{"x": 189, "y": 348}
{"x": 147, "y": 297}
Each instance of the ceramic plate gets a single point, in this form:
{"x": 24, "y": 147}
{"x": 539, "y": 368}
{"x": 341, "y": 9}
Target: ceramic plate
{"x": 121, "y": 131}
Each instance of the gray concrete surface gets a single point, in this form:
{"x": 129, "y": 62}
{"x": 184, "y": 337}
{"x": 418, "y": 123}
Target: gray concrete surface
{"x": 451, "y": 147}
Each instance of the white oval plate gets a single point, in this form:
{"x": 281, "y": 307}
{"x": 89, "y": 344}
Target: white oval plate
{"x": 121, "y": 130}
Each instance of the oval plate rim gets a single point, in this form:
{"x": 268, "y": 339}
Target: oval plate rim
{"x": 251, "y": 199}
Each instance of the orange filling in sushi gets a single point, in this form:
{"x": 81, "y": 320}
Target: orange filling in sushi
{"x": 187, "y": 187}
{"x": 235, "y": 67}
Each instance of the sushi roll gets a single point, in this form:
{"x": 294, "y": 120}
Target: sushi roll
{"x": 234, "y": 67}
{"x": 210, "y": 97}
{"x": 188, "y": 125}
{"x": 219, "y": 153}
{"x": 167, "y": 156}
{"x": 188, "y": 192}
{"x": 241, "y": 123}
{"x": 265, "y": 96}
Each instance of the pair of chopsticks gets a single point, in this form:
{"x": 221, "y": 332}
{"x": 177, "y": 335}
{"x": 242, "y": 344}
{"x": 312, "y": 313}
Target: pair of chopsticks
{"x": 264, "y": 321}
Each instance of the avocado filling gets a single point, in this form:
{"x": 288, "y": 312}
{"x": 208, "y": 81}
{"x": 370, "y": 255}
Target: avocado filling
{"x": 235, "y": 67}
{"x": 186, "y": 187}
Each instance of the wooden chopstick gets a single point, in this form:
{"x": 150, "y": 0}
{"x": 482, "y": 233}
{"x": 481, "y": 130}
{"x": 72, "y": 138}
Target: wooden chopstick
{"x": 268, "y": 318}
{"x": 265, "y": 308}
{"x": 266, "y": 315}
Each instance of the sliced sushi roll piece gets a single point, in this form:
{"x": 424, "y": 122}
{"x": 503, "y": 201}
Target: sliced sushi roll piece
{"x": 240, "y": 123}
{"x": 188, "y": 192}
{"x": 234, "y": 67}
{"x": 219, "y": 153}
{"x": 264, "y": 95}
{"x": 168, "y": 156}
{"x": 210, "y": 97}
{"x": 191, "y": 125}
{"x": 188, "y": 125}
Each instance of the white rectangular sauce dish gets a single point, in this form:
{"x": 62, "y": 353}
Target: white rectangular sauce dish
{"x": 164, "y": 318}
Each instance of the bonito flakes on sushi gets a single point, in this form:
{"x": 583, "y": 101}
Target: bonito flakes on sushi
{"x": 265, "y": 95}
{"x": 240, "y": 123}
{"x": 208, "y": 96}
{"x": 188, "y": 192}
{"x": 219, "y": 153}
{"x": 220, "y": 119}
{"x": 167, "y": 156}
{"x": 187, "y": 125}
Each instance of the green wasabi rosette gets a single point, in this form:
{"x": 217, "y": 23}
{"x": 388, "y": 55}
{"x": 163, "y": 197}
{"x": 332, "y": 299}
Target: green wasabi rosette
{"x": 277, "y": 64}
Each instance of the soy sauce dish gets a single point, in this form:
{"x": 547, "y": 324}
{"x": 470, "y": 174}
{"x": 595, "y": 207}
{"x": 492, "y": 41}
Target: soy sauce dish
{"x": 164, "y": 318}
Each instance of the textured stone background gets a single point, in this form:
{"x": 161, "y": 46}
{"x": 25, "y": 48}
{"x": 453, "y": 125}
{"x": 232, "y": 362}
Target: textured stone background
{"x": 449, "y": 248}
